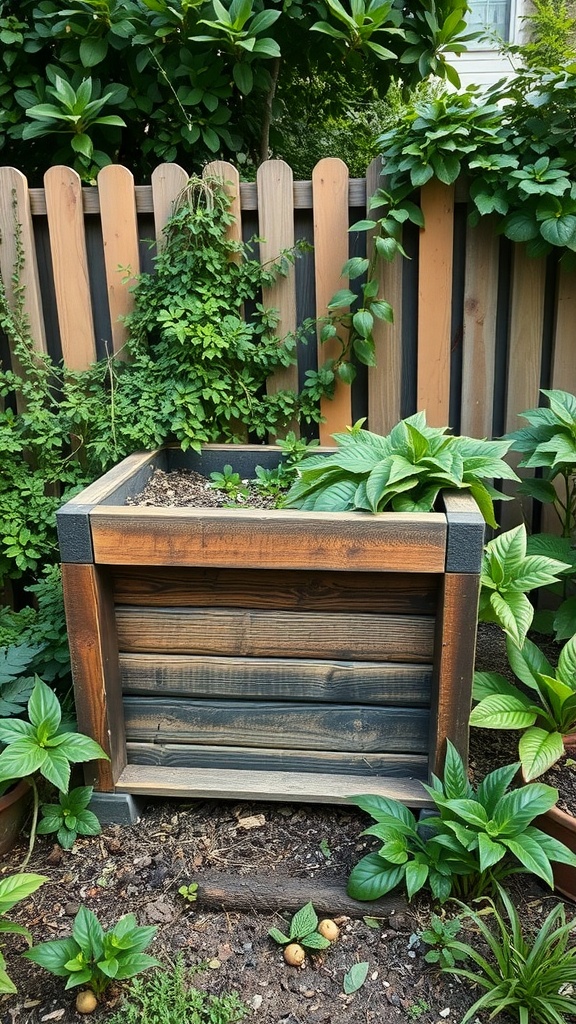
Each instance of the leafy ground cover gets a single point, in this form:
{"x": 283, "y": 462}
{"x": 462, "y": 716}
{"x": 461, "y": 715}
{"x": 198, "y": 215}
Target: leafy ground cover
{"x": 141, "y": 869}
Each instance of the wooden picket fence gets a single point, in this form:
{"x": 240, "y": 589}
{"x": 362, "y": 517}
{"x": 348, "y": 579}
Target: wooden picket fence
{"x": 479, "y": 326}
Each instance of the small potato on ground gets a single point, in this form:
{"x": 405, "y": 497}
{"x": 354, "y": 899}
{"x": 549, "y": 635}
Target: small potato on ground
{"x": 86, "y": 1001}
{"x": 294, "y": 954}
{"x": 328, "y": 929}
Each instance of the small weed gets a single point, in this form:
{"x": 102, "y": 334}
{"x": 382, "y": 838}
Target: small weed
{"x": 166, "y": 997}
{"x": 325, "y": 849}
{"x": 302, "y": 931}
{"x": 417, "y": 1009}
{"x": 189, "y": 892}
{"x": 440, "y": 935}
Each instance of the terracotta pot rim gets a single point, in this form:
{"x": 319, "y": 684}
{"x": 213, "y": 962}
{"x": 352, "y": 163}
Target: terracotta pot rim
{"x": 15, "y": 793}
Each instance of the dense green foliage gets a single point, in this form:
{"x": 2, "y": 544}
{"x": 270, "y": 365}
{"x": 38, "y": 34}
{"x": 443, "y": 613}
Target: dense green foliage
{"x": 403, "y": 471}
{"x": 478, "y": 837}
{"x": 530, "y": 980}
{"x": 94, "y": 957}
{"x": 168, "y": 996}
{"x": 69, "y": 818}
{"x": 142, "y": 81}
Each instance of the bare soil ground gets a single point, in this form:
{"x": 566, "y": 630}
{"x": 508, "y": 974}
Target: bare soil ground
{"x": 140, "y": 869}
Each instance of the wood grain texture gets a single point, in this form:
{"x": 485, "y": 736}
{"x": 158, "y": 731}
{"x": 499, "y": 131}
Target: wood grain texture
{"x": 15, "y": 215}
{"x": 479, "y": 345}
{"x": 120, "y": 240}
{"x": 260, "y": 634}
{"x": 435, "y": 302}
{"x": 295, "y": 726}
{"x": 331, "y": 249}
{"x": 269, "y": 539}
{"x": 275, "y": 185}
{"x": 351, "y": 682}
{"x": 385, "y": 379}
{"x": 94, "y": 658}
{"x": 228, "y": 174}
{"x": 274, "y": 893}
{"x": 179, "y": 755}
{"x": 288, "y": 787}
{"x": 63, "y": 190}
{"x": 524, "y": 364}
{"x": 167, "y": 182}
{"x": 455, "y": 646}
{"x": 160, "y": 586}
{"x": 115, "y": 478}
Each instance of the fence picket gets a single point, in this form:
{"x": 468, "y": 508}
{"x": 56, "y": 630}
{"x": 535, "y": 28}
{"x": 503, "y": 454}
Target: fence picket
{"x": 435, "y": 302}
{"x": 120, "y": 239}
{"x": 231, "y": 179}
{"x": 479, "y": 343}
{"x": 63, "y": 190}
{"x": 563, "y": 369}
{"x": 385, "y": 379}
{"x": 330, "y": 180}
{"x": 524, "y": 362}
{"x": 15, "y": 210}
{"x": 275, "y": 185}
{"x": 167, "y": 180}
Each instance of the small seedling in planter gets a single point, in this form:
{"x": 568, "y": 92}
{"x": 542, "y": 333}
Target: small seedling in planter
{"x": 303, "y": 935}
{"x": 189, "y": 892}
{"x": 229, "y": 482}
{"x": 440, "y": 935}
{"x": 70, "y": 817}
{"x": 93, "y": 957}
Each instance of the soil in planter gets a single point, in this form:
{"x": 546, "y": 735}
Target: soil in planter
{"x": 181, "y": 487}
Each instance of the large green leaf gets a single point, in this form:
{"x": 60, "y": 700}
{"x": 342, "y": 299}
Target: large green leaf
{"x": 528, "y": 663}
{"x": 17, "y": 887}
{"x": 416, "y": 875}
{"x": 514, "y": 613}
{"x": 489, "y": 852}
{"x": 53, "y": 955}
{"x": 531, "y": 856}
{"x": 383, "y": 808}
{"x": 23, "y": 757}
{"x": 456, "y": 784}
{"x": 517, "y": 809}
{"x": 304, "y": 921}
{"x": 494, "y": 785}
{"x": 539, "y": 750}
{"x": 502, "y": 711}
{"x": 567, "y": 663}
{"x": 372, "y": 877}
{"x": 44, "y": 709}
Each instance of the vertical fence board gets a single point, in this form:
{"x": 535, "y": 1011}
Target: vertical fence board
{"x": 15, "y": 214}
{"x": 167, "y": 180}
{"x": 63, "y": 191}
{"x": 231, "y": 179}
{"x": 480, "y": 308}
{"x": 435, "y": 302}
{"x": 385, "y": 379}
{"x": 275, "y": 188}
{"x": 563, "y": 369}
{"x": 524, "y": 362}
{"x": 330, "y": 180}
{"x": 120, "y": 238}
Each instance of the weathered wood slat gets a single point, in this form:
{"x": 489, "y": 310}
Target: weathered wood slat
{"x": 479, "y": 346}
{"x": 275, "y": 186}
{"x": 15, "y": 210}
{"x": 120, "y": 239}
{"x": 172, "y": 755}
{"x": 409, "y": 593}
{"x": 269, "y": 539}
{"x": 145, "y": 203}
{"x": 228, "y": 174}
{"x": 524, "y": 364}
{"x": 359, "y": 682}
{"x": 563, "y": 369}
{"x": 385, "y": 379}
{"x": 331, "y": 248}
{"x": 435, "y": 302}
{"x": 94, "y": 658}
{"x": 252, "y": 633}
{"x": 208, "y": 783}
{"x": 168, "y": 180}
{"x": 63, "y": 191}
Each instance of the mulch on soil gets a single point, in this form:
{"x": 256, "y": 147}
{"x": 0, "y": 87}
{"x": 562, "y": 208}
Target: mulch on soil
{"x": 140, "y": 868}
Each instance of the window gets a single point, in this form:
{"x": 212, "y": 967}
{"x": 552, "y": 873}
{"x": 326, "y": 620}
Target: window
{"x": 491, "y": 17}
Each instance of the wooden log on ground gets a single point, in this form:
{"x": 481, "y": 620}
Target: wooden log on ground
{"x": 264, "y": 894}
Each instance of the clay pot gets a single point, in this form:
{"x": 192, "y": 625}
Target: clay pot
{"x": 562, "y": 826}
{"x": 13, "y": 806}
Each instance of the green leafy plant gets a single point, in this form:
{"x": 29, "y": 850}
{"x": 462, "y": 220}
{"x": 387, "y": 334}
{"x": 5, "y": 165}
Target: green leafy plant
{"x": 168, "y": 996}
{"x": 94, "y": 957}
{"x": 13, "y": 889}
{"x": 15, "y": 685}
{"x": 546, "y": 714}
{"x": 478, "y": 837}
{"x": 189, "y": 892}
{"x": 440, "y": 935}
{"x": 70, "y": 817}
{"x": 229, "y": 482}
{"x": 403, "y": 471}
{"x": 276, "y": 482}
{"x": 40, "y": 746}
{"x": 302, "y": 930}
{"x": 507, "y": 574}
{"x": 528, "y": 979}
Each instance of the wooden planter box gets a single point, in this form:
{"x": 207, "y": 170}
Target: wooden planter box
{"x": 256, "y": 654}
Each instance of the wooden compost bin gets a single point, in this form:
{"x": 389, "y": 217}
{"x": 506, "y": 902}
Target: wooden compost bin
{"x": 279, "y": 654}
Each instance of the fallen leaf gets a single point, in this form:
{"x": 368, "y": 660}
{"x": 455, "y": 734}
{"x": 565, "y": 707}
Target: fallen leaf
{"x": 252, "y": 821}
